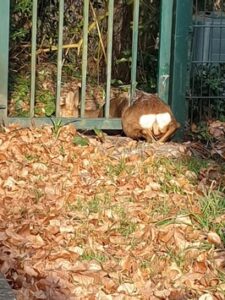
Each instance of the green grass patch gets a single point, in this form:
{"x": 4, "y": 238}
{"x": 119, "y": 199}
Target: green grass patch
{"x": 119, "y": 168}
{"x": 212, "y": 206}
{"x": 90, "y": 255}
{"x": 195, "y": 164}
{"x": 126, "y": 227}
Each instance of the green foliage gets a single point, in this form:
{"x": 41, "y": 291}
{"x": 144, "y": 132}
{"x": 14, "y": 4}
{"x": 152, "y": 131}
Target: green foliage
{"x": 90, "y": 255}
{"x": 100, "y": 134}
{"x": 57, "y": 125}
{"x": 195, "y": 164}
{"x": 48, "y": 99}
{"x": 202, "y": 133}
{"x": 208, "y": 81}
{"x": 126, "y": 57}
{"x": 21, "y": 13}
{"x": 119, "y": 168}
{"x": 19, "y": 91}
{"x": 94, "y": 205}
{"x": 22, "y": 6}
{"x": 212, "y": 206}
{"x": 80, "y": 141}
{"x": 126, "y": 227}
{"x": 148, "y": 45}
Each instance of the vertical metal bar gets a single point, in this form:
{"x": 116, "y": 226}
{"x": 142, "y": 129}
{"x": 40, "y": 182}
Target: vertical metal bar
{"x": 165, "y": 49}
{"x": 221, "y": 29}
{"x": 183, "y": 18}
{"x": 134, "y": 47}
{"x": 59, "y": 57}
{"x": 191, "y": 113}
{"x": 204, "y": 57}
{"x": 84, "y": 57}
{"x": 4, "y": 57}
{"x": 109, "y": 56}
{"x": 33, "y": 57}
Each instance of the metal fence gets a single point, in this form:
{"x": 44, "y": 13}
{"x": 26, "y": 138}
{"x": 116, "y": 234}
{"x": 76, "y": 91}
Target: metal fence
{"x": 206, "y": 88}
{"x": 175, "y": 21}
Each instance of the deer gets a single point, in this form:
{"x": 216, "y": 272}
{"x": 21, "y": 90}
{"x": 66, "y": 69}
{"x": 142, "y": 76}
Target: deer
{"x": 148, "y": 117}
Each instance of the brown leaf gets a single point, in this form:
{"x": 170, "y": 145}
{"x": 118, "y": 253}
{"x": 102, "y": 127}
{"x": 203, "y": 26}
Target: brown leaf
{"x": 127, "y": 288}
{"x": 30, "y": 271}
{"x": 213, "y": 238}
{"x": 109, "y": 285}
{"x": 200, "y": 267}
{"x": 83, "y": 279}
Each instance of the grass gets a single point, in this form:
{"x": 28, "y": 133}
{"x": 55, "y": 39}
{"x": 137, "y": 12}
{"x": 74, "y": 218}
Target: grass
{"x": 31, "y": 158}
{"x": 169, "y": 185}
{"x": 126, "y": 227}
{"x": 119, "y": 168}
{"x": 94, "y": 205}
{"x": 38, "y": 194}
{"x": 20, "y": 94}
{"x": 212, "y": 206}
{"x": 162, "y": 208}
{"x": 57, "y": 125}
{"x": 62, "y": 151}
{"x": 195, "y": 164}
{"x": 221, "y": 276}
{"x": 77, "y": 205}
{"x": 178, "y": 258}
{"x": 179, "y": 166}
{"x": 90, "y": 255}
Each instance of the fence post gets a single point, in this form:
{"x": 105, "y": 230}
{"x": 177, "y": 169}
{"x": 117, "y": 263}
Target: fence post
{"x": 109, "y": 55}
{"x": 134, "y": 47}
{"x": 84, "y": 57}
{"x": 183, "y": 18}
{"x": 4, "y": 56}
{"x": 33, "y": 57}
{"x": 166, "y": 24}
{"x": 59, "y": 56}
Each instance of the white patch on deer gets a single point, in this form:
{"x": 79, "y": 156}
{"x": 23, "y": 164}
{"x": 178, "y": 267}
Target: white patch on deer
{"x": 163, "y": 120}
{"x": 146, "y": 121}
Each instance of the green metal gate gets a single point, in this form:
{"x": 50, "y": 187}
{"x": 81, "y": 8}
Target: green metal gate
{"x": 175, "y": 21}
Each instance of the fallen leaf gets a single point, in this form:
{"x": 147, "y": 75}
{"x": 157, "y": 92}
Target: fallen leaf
{"x": 206, "y": 297}
{"x": 127, "y": 288}
{"x": 213, "y": 238}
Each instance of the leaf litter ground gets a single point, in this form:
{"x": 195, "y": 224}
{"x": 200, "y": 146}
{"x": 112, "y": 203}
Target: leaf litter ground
{"x": 108, "y": 220}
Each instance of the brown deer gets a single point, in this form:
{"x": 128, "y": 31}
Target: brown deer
{"x": 148, "y": 117}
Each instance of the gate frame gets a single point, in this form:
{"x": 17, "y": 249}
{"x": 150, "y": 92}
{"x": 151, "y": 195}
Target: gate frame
{"x": 4, "y": 58}
{"x": 176, "y": 24}
{"x": 173, "y": 59}
{"x": 180, "y": 60}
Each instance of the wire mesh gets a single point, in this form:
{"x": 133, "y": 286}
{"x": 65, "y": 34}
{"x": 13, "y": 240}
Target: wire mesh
{"x": 206, "y": 86}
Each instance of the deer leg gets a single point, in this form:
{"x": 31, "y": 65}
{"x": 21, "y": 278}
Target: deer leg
{"x": 147, "y": 134}
{"x": 168, "y": 133}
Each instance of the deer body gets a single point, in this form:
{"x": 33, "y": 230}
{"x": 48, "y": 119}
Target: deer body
{"x": 149, "y": 118}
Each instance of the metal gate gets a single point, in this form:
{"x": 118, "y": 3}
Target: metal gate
{"x": 175, "y": 21}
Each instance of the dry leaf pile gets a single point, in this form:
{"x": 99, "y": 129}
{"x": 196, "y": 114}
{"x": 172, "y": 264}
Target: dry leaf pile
{"x": 214, "y": 135}
{"x": 104, "y": 221}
